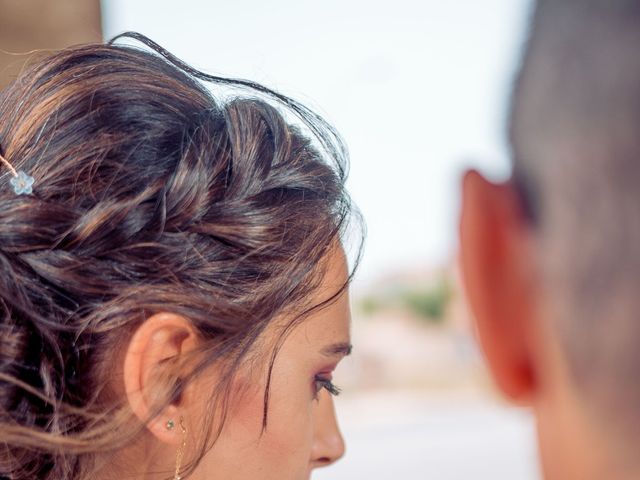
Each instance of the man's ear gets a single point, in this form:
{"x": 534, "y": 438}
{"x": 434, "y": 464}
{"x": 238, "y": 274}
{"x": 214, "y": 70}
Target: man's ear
{"x": 161, "y": 337}
{"x": 498, "y": 271}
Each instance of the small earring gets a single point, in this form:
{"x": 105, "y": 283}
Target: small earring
{"x": 180, "y": 453}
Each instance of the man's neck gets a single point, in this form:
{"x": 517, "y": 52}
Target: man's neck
{"x": 575, "y": 444}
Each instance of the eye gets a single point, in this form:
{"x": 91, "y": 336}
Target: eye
{"x": 326, "y": 383}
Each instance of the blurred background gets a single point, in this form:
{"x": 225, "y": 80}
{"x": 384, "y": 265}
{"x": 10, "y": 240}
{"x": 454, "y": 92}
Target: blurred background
{"x": 419, "y": 90}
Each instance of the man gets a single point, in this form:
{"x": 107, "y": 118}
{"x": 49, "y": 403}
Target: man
{"x": 551, "y": 258}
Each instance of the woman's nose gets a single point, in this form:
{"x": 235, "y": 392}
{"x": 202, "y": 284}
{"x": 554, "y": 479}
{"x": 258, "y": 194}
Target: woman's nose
{"x": 328, "y": 444}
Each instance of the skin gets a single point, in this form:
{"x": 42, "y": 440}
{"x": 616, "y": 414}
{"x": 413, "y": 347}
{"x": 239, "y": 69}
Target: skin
{"x": 503, "y": 286}
{"x": 302, "y": 432}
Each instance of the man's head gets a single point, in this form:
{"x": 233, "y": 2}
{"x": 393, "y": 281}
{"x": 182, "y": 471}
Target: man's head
{"x": 552, "y": 257}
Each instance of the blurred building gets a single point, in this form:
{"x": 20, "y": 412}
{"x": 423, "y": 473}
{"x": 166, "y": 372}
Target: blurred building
{"x": 28, "y": 25}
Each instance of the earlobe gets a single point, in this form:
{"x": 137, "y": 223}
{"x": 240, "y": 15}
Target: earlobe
{"x": 147, "y": 374}
{"x": 493, "y": 256}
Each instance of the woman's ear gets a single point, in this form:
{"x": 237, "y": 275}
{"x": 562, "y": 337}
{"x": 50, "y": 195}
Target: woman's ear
{"x": 498, "y": 271}
{"x": 160, "y": 338}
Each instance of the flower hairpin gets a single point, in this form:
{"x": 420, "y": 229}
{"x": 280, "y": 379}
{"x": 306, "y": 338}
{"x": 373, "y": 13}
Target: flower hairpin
{"x": 21, "y": 182}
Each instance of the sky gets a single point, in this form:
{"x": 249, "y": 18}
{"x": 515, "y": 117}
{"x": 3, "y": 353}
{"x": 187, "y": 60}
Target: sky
{"x": 418, "y": 89}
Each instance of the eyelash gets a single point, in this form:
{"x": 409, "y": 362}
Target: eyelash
{"x": 327, "y": 384}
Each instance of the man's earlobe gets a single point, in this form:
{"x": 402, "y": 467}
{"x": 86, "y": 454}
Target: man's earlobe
{"x": 494, "y": 260}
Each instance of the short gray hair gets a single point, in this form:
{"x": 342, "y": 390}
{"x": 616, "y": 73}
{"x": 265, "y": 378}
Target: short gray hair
{"x": 575, "y": 138}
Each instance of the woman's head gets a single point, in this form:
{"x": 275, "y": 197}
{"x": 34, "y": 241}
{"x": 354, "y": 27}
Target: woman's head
{"x": 187, "y": 239}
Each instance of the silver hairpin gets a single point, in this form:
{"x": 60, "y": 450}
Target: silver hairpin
{"x": 21, "y": 182}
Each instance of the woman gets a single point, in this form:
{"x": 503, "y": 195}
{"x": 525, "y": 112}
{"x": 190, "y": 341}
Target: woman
{"x": 173, "y": 289}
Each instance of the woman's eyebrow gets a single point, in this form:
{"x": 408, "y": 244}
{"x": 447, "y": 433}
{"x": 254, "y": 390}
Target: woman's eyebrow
{"x": 342, "y": 348}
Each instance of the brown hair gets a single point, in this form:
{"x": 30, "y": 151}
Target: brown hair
{"x": 150, "y": 195}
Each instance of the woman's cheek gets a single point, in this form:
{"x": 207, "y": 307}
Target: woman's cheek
{"x": 289, "y": 439}
{"x": 246, "y": 412}
{"x": 289, "y": 416}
